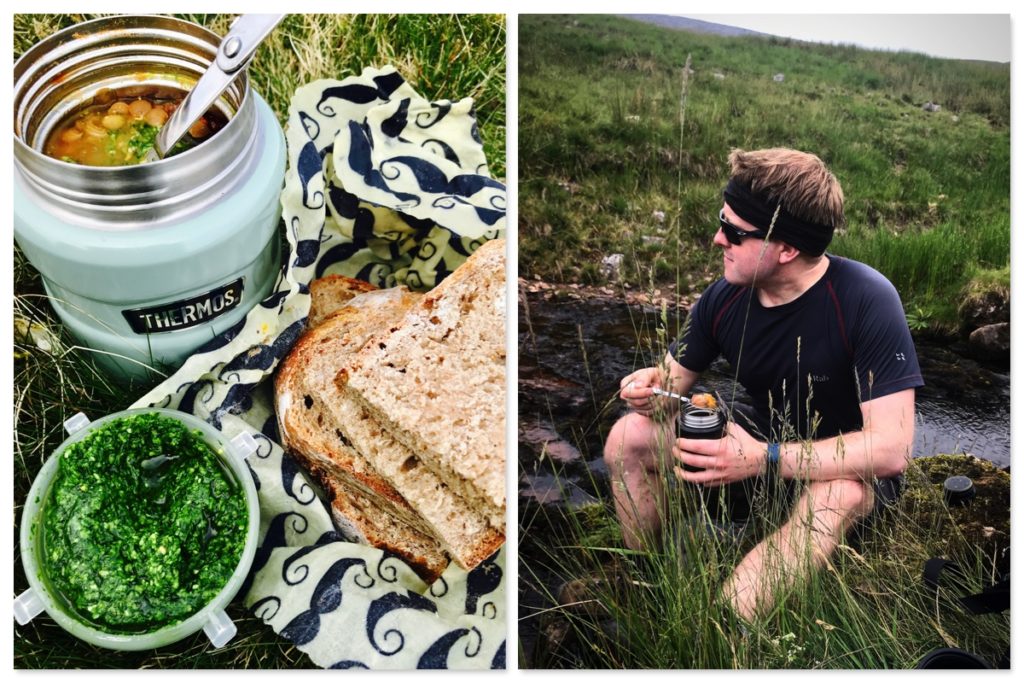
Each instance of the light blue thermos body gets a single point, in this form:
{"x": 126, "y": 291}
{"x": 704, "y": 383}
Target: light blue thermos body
{"x": 146, "y": 263}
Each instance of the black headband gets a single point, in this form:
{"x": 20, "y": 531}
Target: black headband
{"x": 810, "y": 238}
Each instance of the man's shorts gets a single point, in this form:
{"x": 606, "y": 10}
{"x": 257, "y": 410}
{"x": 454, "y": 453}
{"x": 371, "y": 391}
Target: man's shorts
{"x": 745, "y": 502}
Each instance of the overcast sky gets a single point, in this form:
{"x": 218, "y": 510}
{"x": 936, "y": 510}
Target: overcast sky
{"x": 960, "y": 36}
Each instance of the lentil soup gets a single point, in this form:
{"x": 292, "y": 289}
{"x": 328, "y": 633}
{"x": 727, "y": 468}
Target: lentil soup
{"x": 120, "y": 130}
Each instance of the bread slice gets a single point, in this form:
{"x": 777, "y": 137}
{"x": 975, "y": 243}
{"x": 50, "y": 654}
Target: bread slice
{"x": 436, "y": 382}
{"x": 331, "y": 292}
{"x": 364, "y": 504}
{"x": 361, "y": 519}
{"x": 465, "y": 532}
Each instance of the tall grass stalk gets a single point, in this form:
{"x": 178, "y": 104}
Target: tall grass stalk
{"x": 684, "y": 93}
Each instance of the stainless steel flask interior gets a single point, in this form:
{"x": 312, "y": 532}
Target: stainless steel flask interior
{"x": 127, "y": 55}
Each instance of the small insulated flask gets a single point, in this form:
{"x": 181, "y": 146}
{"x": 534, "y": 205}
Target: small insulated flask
{"x": 729, "y": 503}
{"x": 700, "y": 423}
{"x": 144, "y": 263}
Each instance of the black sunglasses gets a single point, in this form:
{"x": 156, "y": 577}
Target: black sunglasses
{"x": 734, "y": 234}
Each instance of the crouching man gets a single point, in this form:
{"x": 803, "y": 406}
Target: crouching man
{"x": 820, "y": 344}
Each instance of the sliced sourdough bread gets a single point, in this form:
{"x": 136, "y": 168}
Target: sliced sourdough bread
{"x": 436, "y": 382}
{"x": 461, "y": 527}
{"x": 331, "y": 292}
{"x": 361, "y": 519}
{"x": 364, "y": 503}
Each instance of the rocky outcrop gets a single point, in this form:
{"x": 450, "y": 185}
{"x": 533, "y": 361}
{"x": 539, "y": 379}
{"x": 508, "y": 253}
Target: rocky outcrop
{"x": 991, "y": 342}
{"x": 985, "y": 320}
{"x": 611, "y": 267}
{"x": 985, "y": 308}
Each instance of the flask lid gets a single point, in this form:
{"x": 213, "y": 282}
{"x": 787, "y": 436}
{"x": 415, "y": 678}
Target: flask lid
{"x": 958, "y": 490}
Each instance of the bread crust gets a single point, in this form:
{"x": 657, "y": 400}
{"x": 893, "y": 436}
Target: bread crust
{"x": 348, "y": 477}
{"x": 331, "y": 292}
{"x": 436, "y": 380}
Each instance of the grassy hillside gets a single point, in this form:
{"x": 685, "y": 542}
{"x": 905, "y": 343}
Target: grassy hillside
{"x": 613, "y": 130}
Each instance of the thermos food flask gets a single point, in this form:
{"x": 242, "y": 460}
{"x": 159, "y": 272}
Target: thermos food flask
{"x": 145, "y": 263}
{"x": 725, "y": 504}
{"x": 700, "y": 423}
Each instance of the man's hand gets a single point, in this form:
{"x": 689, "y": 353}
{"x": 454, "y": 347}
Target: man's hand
{"x": 735, "y": 457}
{"x": 635, "y": 390}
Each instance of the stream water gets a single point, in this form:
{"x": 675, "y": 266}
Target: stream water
{"x": 574, "y": 351}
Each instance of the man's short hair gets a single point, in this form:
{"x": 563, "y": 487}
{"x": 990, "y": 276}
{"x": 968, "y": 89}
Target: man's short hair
{"x": 799, "y": 180}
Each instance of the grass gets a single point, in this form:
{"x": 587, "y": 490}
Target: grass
{"x": 603, "y": 145}
{"x": 868, "y": 608}
{"x": 443, "y": 57}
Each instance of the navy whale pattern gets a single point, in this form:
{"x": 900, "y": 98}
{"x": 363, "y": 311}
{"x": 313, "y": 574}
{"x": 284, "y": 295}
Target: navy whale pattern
{"x": 409, "y": 216}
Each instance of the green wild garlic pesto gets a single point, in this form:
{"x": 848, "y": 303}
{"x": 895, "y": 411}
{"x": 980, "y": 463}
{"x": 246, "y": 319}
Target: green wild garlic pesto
{"x": 144, "y": 525}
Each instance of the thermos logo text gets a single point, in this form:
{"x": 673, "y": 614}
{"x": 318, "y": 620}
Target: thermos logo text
{"x": 185, "y": 313}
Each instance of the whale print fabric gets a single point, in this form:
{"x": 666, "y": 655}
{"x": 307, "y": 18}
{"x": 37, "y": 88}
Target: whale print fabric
{"x": 388, "y": 187}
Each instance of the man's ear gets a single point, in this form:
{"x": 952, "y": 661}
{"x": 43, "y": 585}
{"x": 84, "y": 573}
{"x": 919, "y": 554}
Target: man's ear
{"x": 788, "y": 253}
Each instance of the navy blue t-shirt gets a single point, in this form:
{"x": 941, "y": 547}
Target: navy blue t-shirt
{"x": 811, "y": 362}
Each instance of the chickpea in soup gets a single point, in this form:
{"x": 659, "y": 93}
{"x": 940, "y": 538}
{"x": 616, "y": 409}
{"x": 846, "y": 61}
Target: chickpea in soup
{"x": 122, "y": 132}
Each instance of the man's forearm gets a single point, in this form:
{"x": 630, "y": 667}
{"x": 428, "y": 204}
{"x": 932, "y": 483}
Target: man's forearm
{"x": 857, "y": 455}
{"x": 881, "y": 449}
{"x": 679, "y": 379}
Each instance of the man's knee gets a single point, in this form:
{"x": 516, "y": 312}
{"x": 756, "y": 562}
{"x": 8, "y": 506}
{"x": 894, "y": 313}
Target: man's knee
{"x": 631, "y": 440}
{"x": 852, "y": 499}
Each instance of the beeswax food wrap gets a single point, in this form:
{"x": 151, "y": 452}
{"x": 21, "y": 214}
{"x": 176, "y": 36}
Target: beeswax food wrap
{"x": 388, "y": 187}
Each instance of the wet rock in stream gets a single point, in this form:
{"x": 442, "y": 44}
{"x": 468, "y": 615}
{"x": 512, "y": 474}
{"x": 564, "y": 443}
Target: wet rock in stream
{"x": 550, "y": 492}
{"x": 540, "y": 438}
{"x": 991, "y": 342}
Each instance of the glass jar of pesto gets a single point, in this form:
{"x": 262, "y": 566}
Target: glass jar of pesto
{"x": 143, "y": 262}
{"x": 139, "y": 530}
